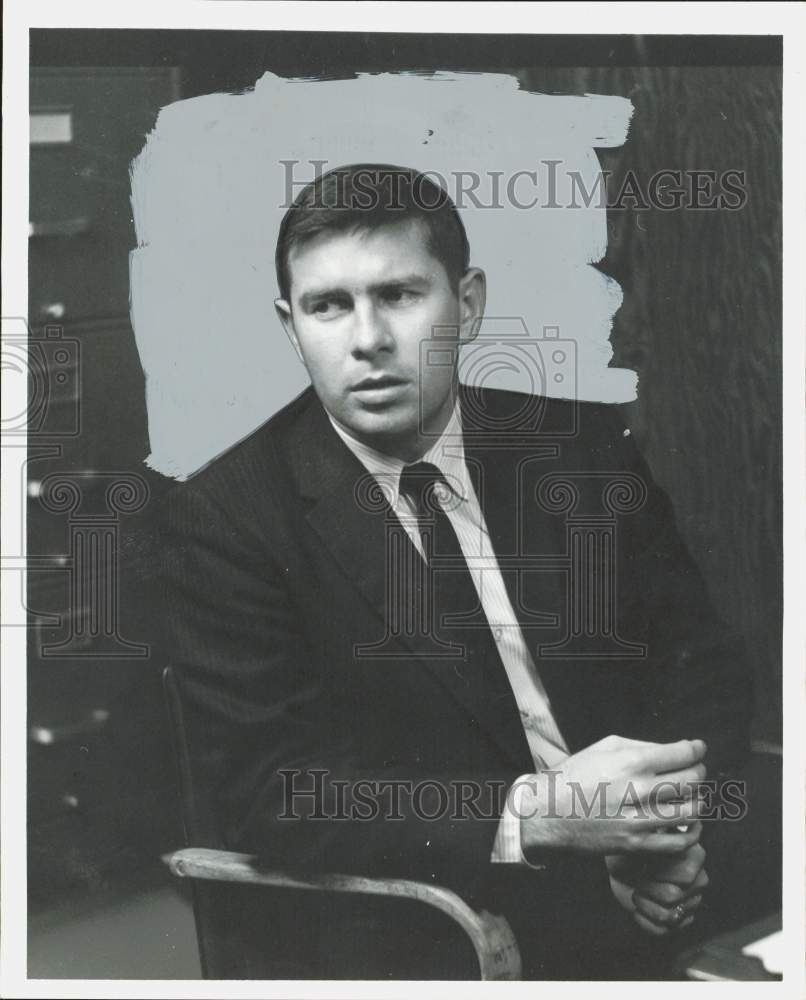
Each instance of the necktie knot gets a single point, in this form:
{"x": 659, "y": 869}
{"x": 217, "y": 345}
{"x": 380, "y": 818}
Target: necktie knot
{"x": 426, "y": 486}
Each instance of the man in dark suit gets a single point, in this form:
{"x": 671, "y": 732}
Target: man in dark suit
{"x": 447, "y": 633}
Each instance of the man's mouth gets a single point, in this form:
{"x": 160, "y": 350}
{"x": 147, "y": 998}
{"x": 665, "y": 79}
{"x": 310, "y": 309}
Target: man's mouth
{"x": 376, "y": 383}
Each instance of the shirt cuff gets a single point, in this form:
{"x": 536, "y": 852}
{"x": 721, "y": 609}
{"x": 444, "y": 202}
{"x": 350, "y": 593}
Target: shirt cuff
{"x": 507, "y": 848}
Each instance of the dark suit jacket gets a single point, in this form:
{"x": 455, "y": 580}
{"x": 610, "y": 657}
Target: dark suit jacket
{"x": 276, "y": 567}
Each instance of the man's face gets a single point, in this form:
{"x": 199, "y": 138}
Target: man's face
{"x": 361, "y": 305}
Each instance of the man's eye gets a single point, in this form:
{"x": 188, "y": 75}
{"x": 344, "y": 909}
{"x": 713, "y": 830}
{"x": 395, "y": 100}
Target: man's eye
{"x": 327, "y": 308}
{"x": 399, "y": 296}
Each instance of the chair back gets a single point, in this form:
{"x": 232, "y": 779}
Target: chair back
{"x": 199, "y": 832}
{"x": 243, "y": 931}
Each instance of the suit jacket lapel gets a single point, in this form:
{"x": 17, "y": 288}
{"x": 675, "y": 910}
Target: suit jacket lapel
{"x": 352, "y": 518}
{"x": 348, "y": 513}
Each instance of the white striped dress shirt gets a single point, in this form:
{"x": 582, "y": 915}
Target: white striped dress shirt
{"x": 546, "y": 742}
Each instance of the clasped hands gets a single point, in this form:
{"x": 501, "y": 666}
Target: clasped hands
{"x": 637, "y": 804}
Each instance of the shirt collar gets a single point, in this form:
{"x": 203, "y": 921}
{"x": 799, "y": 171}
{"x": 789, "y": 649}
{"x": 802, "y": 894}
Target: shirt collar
{"x": 447, "y": 453}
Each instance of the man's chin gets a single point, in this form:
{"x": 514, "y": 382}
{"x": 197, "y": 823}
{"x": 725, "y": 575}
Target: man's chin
{"x": 394, "y": 428}
{"x": 384, "y": 415}
{"x": 382, "y": 429}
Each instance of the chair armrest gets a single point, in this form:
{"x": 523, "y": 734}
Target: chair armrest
{"x": 491, "y": 936}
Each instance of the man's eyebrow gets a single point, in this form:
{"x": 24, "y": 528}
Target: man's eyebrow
{"x": 419, "y": 280}
{"x": 318, "y": 294}
{"x": 314, "y": 295}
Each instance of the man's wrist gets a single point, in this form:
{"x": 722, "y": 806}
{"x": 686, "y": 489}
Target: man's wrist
{"x": 525, "y": 799}
{"x": 509, "y": 846}
{"x": 540, "y": 824}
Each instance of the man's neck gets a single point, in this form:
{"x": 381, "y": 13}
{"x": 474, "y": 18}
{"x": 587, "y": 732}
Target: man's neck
{"x": 445, "y": 450}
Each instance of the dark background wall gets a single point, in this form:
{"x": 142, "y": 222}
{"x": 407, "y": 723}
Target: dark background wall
{"x": 701, "y": 323}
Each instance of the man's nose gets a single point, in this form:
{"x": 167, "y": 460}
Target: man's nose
{"x": 371, "y": 331}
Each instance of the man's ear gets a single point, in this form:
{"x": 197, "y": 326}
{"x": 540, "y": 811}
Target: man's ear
{"x": 284, "y": 315}
{"x": 472, "y": 299}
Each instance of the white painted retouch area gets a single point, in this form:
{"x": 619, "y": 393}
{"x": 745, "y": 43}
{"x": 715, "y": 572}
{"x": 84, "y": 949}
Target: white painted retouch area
{"x": 212, "y": 184}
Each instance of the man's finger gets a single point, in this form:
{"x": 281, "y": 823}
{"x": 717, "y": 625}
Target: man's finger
{"x": 666, "y": 916}
{"x": 671, "y": 814}
{"x": 683, "y": 784}
{"x": 665, "y": 757}
{"x": 687, "y": 881}
{"x": 661, "y": 842}
{"x": 663, "y": 893}
{"x": 669, "y": 893}
{"x": 683, "y": 868}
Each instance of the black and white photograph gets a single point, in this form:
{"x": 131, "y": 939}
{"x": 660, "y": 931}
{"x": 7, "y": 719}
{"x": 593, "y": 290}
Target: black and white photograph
{"x": 402, "y": 449}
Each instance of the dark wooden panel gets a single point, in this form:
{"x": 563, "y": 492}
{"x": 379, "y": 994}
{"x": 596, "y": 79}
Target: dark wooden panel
{"x": 701, "y": 322}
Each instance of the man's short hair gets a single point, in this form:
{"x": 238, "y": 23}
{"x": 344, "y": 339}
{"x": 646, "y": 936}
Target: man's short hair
{"x": 366, "y": 196}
